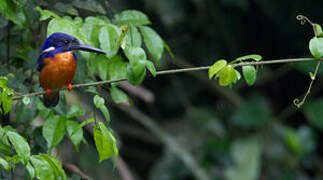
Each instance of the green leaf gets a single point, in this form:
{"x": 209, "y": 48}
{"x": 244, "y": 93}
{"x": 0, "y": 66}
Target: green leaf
{"x": 246, "y": 154}
{"x": 168, "y": 50}
{"x": 117, "y": 68}
{"x": 3, "y": 82}
{"x": 137, "y": 58}
{"x": 249, "y": 74}
{"x": 61, "y": 25}
{"x": 314, "y": 113}
{"x": 74, "y": 111}
{"x": 317, "y": 29}
{"x": 80, "y": 126}
{"x": 104, "y": 141}
{"x": 109, "y": 39}
{"x": 20, "y": 144}
{"x": 76, "y": 136}
{"x": 11, "y": 11}
{"x": 43, "y": 169}
{"x": 255, "y": 57}
{"x": 31, "y": 170}
{"x": 106, "y": 113}
{"x": 54, "y": 130}
{"x": 6, "y": 99}
{"x": 44, "y": 112}
{"x": 55, "y": 165}
{"x": 118, "y": 96}
{"x": 91, "y": 29}
{"x": 217, "y": 67}
{"x": 98, "y": 101}
{"x": 227, "y": 76}
{"x": 252, "y": 114}
{"x": 5, "y": 164}
{"x": 131, "y": 17}
{"x": 151, "y": 67}
{"x": 238, "y": 75}
{"x": 316, "y": 47}
{"x": 45, "y": 14}
{"x": 153, "y": 42}
{"x": 102, "y": 64}
{"x": 293, "y": 141}
{"x": 26, "y": 100}
{"x": 132, "y": 38}
{"x": 135, "y": 79}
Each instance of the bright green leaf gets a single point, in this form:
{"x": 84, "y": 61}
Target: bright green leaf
{"x": 153, "y": 42}
{"x": 109, "y": 39}
{"x": 43, "y": 169}
{"x": 55, "y": 165}
{"x": 131, "y": 17}
{"x": 132, "y": 38}
{"x": 98, "y": 101}
{"x": 31, "y": 170}
{"x": 316, "y": 47}
{"x": 80, "y": 126}
{"x": 5, "y": 164}
{"x": 103, "y": 143}
{"x": 20, "y": 144}
{"x": 249, "y": 74}
{"x": 3, "y": 82}
{"x": 217, "y": 67}
{"x": 54, "y": 130}
{"x": 255, "y": 57}
{"x": 137, "y": 58}
{"x": 151, "y": 67}
{"x": 227, "y": 76}
{"x": 117, "y": 68}
{"x": 102, "y": 64}
{"x": 75, "y": 136}
{"x": 74, "y": 111}
{"x": 6, "y": 99}
{"x": 106, "y": 113}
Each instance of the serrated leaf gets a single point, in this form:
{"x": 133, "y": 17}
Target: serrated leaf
{"x": 153, "y": 42}
{"x": 255, "y": 57}
{"x": 249, "y": 74}
{"x": 43, "y": 169}
{"x": 76, "y": 136}
{"x": 131, "y": 17}
{"x": 54, "y": 130}
{"x": 109, "y": 39}
{"x": 227, "y": 76}
{"x": 20, "y": 144}
{"x": 316, "y": 47}
{"x": 217, "y": 67}
{"x": 74, "y": 111}
{"x": 98, "y": 101}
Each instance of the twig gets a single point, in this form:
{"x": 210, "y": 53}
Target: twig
{"x": 124, "y": 170}
{"x": 174, "y": 71}
{"x": 74, "y": 169}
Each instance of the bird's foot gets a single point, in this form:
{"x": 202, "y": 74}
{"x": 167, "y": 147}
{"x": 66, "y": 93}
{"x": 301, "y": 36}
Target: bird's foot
{"x": 48, "y": 92}
{"x": 69, "y": 87}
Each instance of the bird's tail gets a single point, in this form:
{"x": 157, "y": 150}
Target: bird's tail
{"x": 51, "y": 100}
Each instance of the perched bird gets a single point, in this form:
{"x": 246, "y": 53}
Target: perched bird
{"x": 57, "y": 64}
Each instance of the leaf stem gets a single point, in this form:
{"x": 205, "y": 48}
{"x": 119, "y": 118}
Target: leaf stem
{"x": 172, "y": 71}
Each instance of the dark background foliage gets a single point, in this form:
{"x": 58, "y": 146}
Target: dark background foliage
{"x": 232, "y": 133}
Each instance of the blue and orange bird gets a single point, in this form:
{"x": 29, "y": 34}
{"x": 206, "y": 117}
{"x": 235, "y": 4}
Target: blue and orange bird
{"x": 57, "y": 64}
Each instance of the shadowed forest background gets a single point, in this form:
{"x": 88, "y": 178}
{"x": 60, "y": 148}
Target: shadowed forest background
{"x": 230, "y": 133}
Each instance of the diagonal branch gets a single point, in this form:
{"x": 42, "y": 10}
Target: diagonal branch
{"x": 174, "y": 71}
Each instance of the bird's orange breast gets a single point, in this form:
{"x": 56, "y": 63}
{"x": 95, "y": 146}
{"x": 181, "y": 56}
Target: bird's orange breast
{"x": 58, "y": 71}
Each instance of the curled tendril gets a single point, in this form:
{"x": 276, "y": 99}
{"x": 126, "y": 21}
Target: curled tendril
{"x": 298, "y": 103}
{"x": 304, "y": 19}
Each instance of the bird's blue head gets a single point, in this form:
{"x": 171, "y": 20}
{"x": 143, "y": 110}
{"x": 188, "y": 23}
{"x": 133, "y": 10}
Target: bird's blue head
{"x": 61, "y": 42}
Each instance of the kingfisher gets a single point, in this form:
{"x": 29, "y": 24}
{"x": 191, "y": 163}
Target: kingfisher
{"x": 57, "y": 64}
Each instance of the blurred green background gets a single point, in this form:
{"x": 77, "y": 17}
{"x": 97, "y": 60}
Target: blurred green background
{"x": 185, "y": 126}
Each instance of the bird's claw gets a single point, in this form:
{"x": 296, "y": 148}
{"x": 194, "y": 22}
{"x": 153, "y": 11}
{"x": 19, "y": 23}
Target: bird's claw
{"x": 48, "y": 92}
{"x": 69, "y": 87}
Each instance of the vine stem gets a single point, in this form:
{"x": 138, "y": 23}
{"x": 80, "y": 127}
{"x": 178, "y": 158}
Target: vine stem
{"x": 172, "y": 71}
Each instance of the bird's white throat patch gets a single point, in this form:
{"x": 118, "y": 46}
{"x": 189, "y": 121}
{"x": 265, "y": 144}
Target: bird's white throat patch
{"x": 49, "y": 49}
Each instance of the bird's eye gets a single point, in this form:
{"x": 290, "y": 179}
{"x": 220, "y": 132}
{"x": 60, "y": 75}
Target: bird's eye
{"x": 66, "y": 41}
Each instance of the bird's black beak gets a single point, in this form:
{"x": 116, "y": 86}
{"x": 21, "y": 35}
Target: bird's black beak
{"x": 88, "y": 48}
